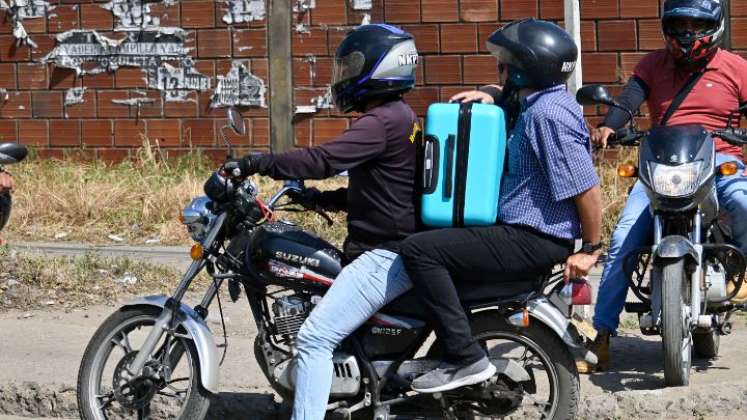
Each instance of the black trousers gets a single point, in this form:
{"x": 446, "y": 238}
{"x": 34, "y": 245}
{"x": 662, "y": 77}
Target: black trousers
{"x": 436, "y": 259}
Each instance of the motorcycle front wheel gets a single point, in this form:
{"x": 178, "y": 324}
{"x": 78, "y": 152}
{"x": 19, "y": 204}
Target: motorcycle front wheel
{"x": 675, "y": 323}
{"x": 169, "y": 386}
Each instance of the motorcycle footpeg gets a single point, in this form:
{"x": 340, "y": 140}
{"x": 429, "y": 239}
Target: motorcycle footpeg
{"x": 637, "y": 307}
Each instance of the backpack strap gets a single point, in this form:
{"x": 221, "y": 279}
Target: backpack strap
{"x": 681, "y": 95}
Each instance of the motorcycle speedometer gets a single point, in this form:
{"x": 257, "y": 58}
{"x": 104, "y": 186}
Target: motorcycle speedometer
{"x": 675, "y": 181}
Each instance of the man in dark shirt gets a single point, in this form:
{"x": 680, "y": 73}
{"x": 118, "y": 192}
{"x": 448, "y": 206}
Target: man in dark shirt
{"x": 374, "y": 66}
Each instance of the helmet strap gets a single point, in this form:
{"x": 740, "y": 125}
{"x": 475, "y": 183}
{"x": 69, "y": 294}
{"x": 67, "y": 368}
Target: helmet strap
{"x": 509, "y": 102}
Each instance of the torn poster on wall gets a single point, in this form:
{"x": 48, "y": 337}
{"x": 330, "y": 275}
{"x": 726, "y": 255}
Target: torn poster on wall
{"x": 20, "y": 10}
{"x": 177, "y": 82}
{"x": 88, "y": 52}
{"x": 135, "y": 13}
{"x": 302, "y": 6}
{"x": 239, "y": 88}
{"x": 361, "y": 4}
{"x": 242, "y": 11}
{"x": 74, "y": 96}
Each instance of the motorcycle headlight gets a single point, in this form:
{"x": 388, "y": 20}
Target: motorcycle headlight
{"x": 197, "y": 217}
{"x": 675, "y": 181}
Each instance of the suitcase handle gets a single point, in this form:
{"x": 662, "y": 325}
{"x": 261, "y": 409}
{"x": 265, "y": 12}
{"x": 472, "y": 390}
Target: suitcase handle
{"x": 449, "y": 171}
{"x": 430, "y": 164}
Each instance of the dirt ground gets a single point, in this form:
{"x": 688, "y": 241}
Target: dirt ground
{"x": 40, "y": 351}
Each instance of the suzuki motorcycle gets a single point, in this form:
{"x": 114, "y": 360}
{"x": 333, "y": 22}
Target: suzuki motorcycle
{"x": 9, "y": 153}
{"x": 156, "y": 357}
{"x": 694, "y": 270}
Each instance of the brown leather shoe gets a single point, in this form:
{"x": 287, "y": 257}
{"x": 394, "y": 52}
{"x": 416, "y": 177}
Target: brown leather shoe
{"x": 601, "y": 347}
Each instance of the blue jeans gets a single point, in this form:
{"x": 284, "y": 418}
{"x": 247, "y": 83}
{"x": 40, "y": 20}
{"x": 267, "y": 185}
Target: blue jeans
{"x": 635, "y": 227}
{"x": 363, "y": 287}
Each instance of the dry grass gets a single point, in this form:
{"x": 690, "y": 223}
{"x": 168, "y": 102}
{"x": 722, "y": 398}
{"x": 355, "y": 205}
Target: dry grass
{"x": 28, "y": 282}
{"x": 614, "y": 189}
{"x": 88, "y": 201}
{"x": 139, "y": 201}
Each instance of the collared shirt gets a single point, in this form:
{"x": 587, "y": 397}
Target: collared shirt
{"x": 721, "y": 89}
{"x": 549, "y": 162}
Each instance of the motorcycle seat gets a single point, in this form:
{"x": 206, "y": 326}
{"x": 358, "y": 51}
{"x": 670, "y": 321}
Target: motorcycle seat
{"x": 471, "y": 293}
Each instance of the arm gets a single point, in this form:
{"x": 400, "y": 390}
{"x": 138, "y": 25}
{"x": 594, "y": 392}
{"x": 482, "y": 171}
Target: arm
{"x": 364, "y": 140}
{"x": 6, "y": 182}
{"x": 589, "y": 207}
{"x": 632, "y": 96}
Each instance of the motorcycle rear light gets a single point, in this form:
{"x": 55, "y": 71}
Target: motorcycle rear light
{"x": 577, "y": 292}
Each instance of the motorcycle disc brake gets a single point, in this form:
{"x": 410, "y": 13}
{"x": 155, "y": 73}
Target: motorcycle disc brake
{"x": 132, "y": 393}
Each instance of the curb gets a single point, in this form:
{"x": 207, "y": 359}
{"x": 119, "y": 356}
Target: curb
{"x": 31, "y": 399}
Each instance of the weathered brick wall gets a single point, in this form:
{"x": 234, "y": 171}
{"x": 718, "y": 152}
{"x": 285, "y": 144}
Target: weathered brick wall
{"x": 450, "y": 35}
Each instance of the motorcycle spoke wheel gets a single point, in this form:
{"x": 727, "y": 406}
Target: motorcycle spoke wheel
{"x": 167, "y": 387}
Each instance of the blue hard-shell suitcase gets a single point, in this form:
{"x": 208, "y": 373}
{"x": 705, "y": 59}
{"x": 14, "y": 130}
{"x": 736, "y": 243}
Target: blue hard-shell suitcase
{"x": 464, "y": 149}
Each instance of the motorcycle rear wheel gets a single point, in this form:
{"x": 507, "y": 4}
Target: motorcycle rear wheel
{"x": 96, "y": 401}
{"x": 548, "y": 349}
{"x": 675, "y": 328}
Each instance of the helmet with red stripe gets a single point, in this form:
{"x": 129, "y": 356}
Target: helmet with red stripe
{"x": 693, "y": 29}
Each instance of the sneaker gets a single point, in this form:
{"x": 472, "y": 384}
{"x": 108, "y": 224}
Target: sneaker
{"x": 447, "y": 376}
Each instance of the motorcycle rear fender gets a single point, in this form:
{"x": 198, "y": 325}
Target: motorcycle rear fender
{"x": 198, "y": 331}
{"x": 674, "y": 247}
{"x": 545, "y": 312}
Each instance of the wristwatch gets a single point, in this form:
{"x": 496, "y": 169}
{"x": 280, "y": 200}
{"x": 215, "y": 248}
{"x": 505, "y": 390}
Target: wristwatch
{"x": 590, "y": 248}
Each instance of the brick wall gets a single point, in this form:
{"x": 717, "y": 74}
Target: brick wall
{"x": 450, "y": 35}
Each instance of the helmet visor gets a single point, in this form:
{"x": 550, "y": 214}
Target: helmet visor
{"x": 502, "y": 55}
{"x": 348, "y": 67}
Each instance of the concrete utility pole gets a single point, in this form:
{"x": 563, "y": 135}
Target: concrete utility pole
{"x": 281, "y": 87}
{"x": 573, "y": 26}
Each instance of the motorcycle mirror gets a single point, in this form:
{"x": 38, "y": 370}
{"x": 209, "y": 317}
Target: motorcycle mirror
{"x": 236, "y": 121}
{"x": 593, "y": 95}
{"x": 12, "y": 153}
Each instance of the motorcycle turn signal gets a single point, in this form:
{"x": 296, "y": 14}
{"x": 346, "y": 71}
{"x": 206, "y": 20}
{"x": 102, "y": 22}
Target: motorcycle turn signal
{"x": 728, "y": 168}
{"x": 627, "y": 170}
{"x": 196, "y": 252}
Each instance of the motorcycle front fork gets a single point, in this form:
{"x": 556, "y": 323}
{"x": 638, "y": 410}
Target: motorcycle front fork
{"x": 697, "y": 279}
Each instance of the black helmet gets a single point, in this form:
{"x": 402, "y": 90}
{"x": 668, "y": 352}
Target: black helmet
{"x": 688, "y": 46}
{"x": 539, "y": 54}
{"x": 372, "y": 60}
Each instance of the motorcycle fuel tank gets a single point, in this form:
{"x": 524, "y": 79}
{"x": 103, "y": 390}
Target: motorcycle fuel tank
{"x": 284, "y": 250}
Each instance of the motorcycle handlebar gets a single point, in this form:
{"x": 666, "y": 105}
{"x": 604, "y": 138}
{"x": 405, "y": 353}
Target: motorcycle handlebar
{"x": 735, "y": 136}
{"x": 625, "y": 137}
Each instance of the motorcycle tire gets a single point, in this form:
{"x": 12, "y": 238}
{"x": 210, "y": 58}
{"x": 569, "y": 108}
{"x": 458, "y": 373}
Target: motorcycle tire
{"x": 484, "y": 324}
{"x": 675, "y": 333}
{"x": 198, "y": 402}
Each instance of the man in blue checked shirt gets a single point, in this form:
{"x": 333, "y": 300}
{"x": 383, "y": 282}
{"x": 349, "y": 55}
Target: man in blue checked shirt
{"x": 549, "y": 197}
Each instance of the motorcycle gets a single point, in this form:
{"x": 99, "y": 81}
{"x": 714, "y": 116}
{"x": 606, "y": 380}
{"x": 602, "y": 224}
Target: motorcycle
{"x": 694, "y": 269}
{"x": 156, "y": 356}
{"x": 9, "y": 153}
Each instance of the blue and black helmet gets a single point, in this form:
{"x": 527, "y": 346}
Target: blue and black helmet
{"x": 693, "y": 29}
{"x": 373, "y": 61}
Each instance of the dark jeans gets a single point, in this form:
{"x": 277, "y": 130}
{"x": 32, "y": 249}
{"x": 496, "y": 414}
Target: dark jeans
{"x": 491, "y": 253}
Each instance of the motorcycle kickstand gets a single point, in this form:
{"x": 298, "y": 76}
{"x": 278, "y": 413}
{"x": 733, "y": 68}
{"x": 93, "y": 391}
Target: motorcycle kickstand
{"x": 448, "y": 412}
